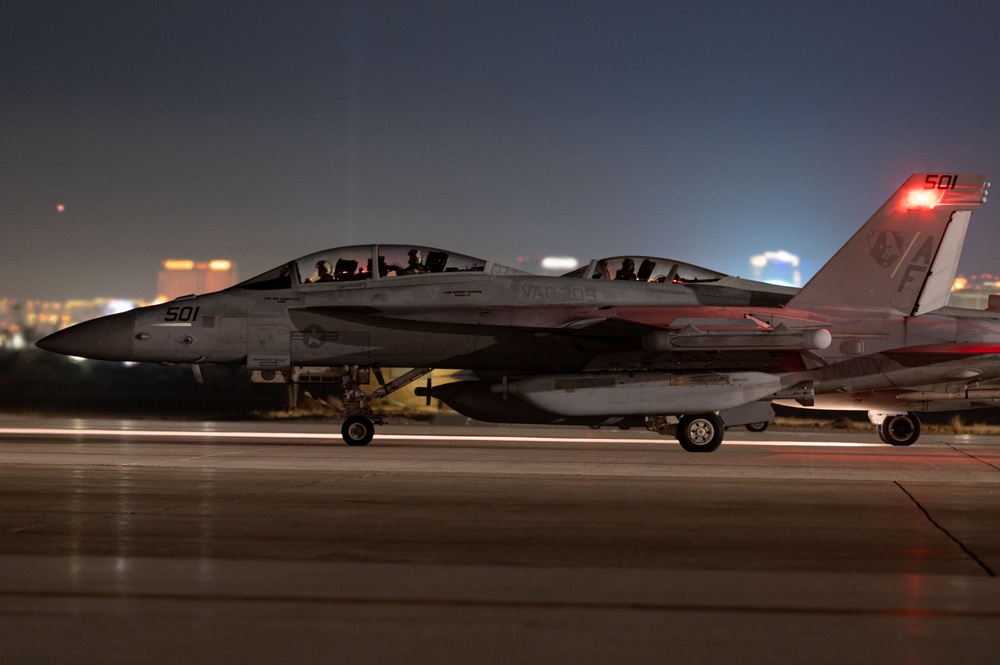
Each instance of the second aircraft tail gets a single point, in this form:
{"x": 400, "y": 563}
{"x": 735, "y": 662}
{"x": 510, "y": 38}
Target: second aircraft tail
{"x": 904, "y": 258}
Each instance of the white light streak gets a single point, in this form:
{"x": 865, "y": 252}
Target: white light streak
{"x": 334, "y": 436}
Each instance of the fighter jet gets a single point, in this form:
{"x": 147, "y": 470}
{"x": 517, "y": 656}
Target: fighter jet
{"x": 684, "y": 357}
{"x": 898, "y": 405}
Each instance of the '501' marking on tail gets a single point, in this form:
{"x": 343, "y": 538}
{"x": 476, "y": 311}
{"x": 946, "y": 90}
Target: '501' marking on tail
{"x": 940, "y": 181}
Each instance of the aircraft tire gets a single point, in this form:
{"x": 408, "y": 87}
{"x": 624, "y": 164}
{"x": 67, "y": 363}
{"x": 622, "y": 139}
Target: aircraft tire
{"x": 901, "y": 430}
{"x": 358, "y": 431}
{"x": 757, "y": 427}
{"x": 881, "y": 433}
{"x": 701, "y": 433}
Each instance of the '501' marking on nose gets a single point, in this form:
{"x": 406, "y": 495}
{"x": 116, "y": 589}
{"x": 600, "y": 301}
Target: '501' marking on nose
{"x": 184, "y": 314}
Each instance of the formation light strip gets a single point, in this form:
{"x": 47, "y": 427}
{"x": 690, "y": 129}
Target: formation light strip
{"x": 335, "y": 437}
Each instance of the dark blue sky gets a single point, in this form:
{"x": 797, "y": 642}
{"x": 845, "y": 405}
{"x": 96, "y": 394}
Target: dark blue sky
{"x": 260, "y": 132}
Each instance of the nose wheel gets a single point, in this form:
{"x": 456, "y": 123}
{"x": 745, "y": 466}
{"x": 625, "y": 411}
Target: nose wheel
{"x": 358, "y": 430}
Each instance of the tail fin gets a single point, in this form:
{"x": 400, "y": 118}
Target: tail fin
{"x": 904, "y": 258}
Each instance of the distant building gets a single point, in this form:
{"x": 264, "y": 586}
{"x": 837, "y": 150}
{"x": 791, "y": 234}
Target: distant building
{"x": 778, "y": 267}
{"x": 181, "y": 277}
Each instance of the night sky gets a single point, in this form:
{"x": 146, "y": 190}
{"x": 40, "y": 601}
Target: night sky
{"x": 260, "y": 132}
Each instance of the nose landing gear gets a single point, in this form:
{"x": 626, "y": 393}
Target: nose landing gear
{"x": 359, "y": 426}
{"x": 358, "y": 430}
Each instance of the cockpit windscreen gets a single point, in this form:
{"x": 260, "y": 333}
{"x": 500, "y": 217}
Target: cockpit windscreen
{"x": 647, "y": 269}
{"x": 355, "y": 263}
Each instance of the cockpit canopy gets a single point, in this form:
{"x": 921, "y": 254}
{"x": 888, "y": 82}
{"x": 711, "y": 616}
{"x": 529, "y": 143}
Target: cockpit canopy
{"x": 646, "y": 269}
{"x": 365, "y": 262}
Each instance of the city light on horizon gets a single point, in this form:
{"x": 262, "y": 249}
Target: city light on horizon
{"x": 777, "y": 267}
{"x": 559, "y": 263}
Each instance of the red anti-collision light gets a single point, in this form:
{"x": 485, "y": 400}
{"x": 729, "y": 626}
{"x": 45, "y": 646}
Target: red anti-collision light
{"x": 922, "y": 198}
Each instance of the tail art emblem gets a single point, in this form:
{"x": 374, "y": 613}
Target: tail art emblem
{"x": 886, "y": 247}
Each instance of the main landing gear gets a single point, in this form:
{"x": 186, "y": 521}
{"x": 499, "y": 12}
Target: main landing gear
{"x": 700, "y": 433}
{"x": 360, "y": 421}
{"x": 697, "y": 433}
{"x": 897, "y": 429}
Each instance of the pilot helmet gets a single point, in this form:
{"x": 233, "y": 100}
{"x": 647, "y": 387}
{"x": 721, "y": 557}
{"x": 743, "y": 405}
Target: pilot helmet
{"x": 415, "y": 253}
{"x": 323, "y": 265}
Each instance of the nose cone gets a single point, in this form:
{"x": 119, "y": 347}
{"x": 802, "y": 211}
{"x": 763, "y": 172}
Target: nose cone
{"x": 106, "y": 338}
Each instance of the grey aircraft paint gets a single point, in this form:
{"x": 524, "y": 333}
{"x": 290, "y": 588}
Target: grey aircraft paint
{"x": 685, "y": 352}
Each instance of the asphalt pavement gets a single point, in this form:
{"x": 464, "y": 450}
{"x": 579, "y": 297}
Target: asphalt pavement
{"x": 154, "y": 541}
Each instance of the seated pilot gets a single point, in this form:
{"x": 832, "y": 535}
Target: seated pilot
{"x": 324, "y": 272}
{"x": 414, "y": 263}
{"x": 646, "y": 269}
{"x": 627, "y": 271}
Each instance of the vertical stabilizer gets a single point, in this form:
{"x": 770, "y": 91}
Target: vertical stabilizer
{"x": 912, "y": 242}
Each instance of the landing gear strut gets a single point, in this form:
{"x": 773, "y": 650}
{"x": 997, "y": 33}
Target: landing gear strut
{"x": 359, "y": 426}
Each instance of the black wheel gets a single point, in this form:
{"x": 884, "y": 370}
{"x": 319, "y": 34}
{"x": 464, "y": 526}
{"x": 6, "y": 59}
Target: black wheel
{"x": 757, "y": 427}
{"x": 901, "y": 430}
{"x": 881, "y": 433}
{"x": 358, "y": 431}
{"x": 701, "y": 433}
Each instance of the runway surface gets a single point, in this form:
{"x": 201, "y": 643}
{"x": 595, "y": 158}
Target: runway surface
{"x": 142, "y": 541}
